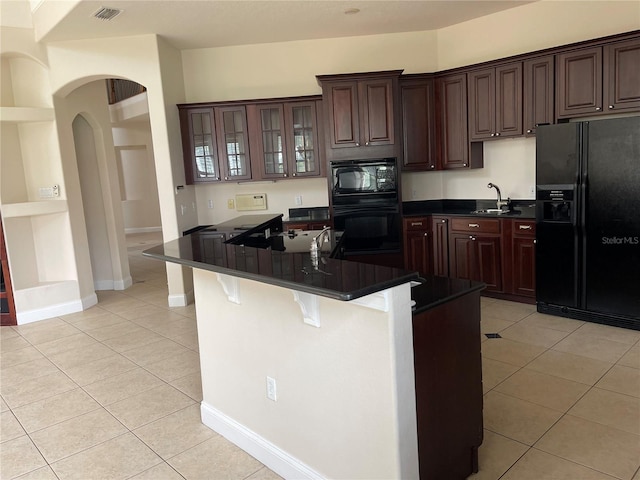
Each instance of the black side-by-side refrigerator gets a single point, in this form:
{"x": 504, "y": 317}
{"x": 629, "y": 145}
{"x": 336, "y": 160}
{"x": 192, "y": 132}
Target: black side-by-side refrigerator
{"x": 588, "y": 221}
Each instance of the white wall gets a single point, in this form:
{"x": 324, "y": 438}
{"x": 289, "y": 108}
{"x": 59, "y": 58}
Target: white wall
{"x": 137, "y": 174}
{"x": 148, "y": 61}
{"x": 280, "y": 197}
{"x": 535, "y": 26}
{"x": 289, "y": 68}
{"x": 90, "y": 101}
{"x": 345, "y": 391}
{"x": 93, "y": 202}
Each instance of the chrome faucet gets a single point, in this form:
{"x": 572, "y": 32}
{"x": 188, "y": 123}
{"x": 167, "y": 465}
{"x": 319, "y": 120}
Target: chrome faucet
{"x": 316, "y": 245}
{"x": 500, "y": 203}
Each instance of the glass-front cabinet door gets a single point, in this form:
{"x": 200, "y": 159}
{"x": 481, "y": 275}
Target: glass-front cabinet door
{"x": 233, "y": 142}
{"x": 271, "y": 141}
{"x": 203, "y": 152}
{"x": 303, "y": 148}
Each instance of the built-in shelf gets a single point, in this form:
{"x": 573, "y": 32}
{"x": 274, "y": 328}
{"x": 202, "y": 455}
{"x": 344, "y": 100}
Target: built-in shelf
{"x": 26, "y": 114}
{"x": 30, "y": 209}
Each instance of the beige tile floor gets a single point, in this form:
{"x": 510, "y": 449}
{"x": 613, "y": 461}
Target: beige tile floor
{"x": 114, "y": 392}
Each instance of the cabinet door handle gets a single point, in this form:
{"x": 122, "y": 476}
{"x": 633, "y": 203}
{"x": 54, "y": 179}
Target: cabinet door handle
{"x": 416, "y": 224}
{"x": 444, "y": 220}
{"x": 598, "y": 109}
{"x": 474, "y": 225}
{"x": 464, "y": 164}
{"x": 433, "y": 166}
{"x": 525, "y": 227}
{"x": 357, "y": 144}
{"x": 611, "y": 107}
{"x": 472, "y": 237}
{"x": 529, "y": 131}
{"x": 284, "y": 175}
{"x": 426, "y": 234}
{"x": 295, "y": 175}
{"x": 366, "y": 143}
{"x": 226, "y": 178}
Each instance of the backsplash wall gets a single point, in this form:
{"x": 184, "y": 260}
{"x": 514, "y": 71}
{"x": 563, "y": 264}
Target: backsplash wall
{"x": 509, "y": 163}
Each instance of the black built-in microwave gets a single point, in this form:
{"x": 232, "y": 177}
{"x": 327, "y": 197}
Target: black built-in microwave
{"x": 375, "y": 178}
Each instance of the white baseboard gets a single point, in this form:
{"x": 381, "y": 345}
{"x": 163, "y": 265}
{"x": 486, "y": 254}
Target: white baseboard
{"x": 49, "y": 312}
{"x": 123, "y": 284}
{"x": 103, "y": 285}
{"x": 276, "y": 459}
{"x": 181, "y": 300}
{"x": 142, "y": 230}
{"x": 89, "y": 301}
{"x": 113, "y": 284}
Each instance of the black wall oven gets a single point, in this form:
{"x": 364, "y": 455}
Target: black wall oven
{"x": 365, "y": 204}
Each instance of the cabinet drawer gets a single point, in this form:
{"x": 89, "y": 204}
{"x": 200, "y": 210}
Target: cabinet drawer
{"x": 524, "y": 227}
{"x": 475, "y": 225}
{"x": 416, "y": 223}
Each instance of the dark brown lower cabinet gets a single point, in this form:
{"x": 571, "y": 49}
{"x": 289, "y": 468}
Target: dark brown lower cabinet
{"x": 440, "y": 233}
{"x": 476, "y": 257}
{"x": 418, "y": 245}
{"x": 448, "y": 379}
{"x": 499, "y": 252}
{"x": 523, "y": 245}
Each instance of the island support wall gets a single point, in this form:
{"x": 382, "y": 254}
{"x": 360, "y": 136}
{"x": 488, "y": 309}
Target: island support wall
{"x": 345, "y": 392}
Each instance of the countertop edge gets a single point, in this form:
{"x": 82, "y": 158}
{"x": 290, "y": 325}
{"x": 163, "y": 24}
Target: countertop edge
{"x": 301, "y": 287}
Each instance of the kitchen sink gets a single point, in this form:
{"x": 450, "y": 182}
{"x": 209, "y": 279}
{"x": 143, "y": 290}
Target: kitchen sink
{"x": 494, "y": 211}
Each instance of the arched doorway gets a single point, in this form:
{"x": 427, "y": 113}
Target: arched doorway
{"x": 116, "y": 173}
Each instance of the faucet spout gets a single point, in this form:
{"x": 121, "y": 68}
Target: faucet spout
{"x": 500, "y": 203}
{"x": 318, "y": 239}
{"x": 316, "y": 245}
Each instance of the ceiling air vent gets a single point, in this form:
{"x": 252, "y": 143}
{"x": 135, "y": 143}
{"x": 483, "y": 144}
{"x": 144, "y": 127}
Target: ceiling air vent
{"x": 106, "y": 13}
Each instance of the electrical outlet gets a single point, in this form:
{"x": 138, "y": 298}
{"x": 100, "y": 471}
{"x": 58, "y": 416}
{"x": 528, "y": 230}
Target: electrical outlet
{"x": 271, "y": 389}
{"x": 298, "y": 199}
{"x": 210, "y": 203}
{"x": 532, "y": 191}
{"x": 231, "y": 204}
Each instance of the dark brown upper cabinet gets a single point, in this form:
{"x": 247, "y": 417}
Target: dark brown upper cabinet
{"x": 454, "y": 149}
{"x": 601, "y": 79}
{"x": 495, "y": 102}
{"x": 622, "y": 76}
{"x": 284, "y": 139}
{"x": 233, "y": 142}
{"x": 199, "y": 146}
{"x": 579, "y": 82}
{"x": 538, "y": 86}
{"x": 417, "y": 96}
{"x": 252, "y": 140}
{"x": 361, "y": 114}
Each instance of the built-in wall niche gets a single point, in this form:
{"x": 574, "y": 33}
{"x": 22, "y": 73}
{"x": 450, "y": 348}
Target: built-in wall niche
{"x": 37, "y": 229}
{"x": 41, "y": 258}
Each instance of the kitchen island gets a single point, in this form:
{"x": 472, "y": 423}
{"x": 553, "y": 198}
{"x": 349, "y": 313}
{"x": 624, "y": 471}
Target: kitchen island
{"x": 308, "y": 364}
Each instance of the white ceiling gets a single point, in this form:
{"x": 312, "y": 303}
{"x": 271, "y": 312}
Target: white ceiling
{"x": 214, "y": 23}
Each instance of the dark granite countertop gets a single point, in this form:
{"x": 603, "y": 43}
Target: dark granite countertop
{"x": 434, "y": 291}
{"x": 520, "y": 208}
{"x": 337, "y": 279}
{"x": 284, "y": 260}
